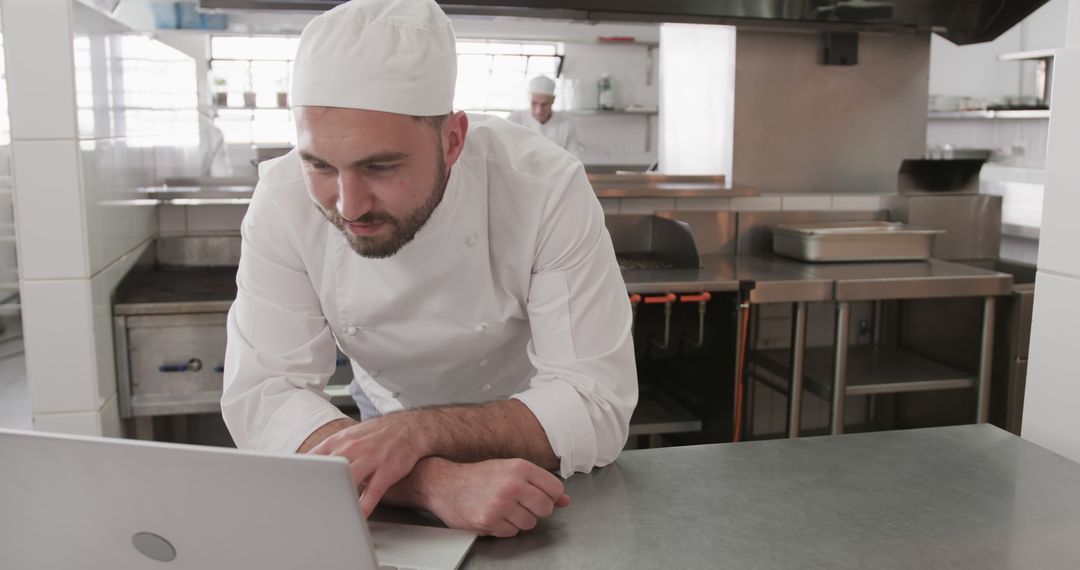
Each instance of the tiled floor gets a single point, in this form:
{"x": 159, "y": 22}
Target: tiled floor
{"x": 14, "y": 395}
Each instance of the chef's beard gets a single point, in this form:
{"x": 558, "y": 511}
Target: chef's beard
{"x": 401, "y": 231}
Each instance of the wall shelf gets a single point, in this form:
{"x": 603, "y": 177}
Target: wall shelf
{"x": 1003, "y": 114}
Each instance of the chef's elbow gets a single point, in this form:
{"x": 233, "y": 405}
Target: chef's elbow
{"x": 616, "y": 425}
{"x": 234, "y": 411}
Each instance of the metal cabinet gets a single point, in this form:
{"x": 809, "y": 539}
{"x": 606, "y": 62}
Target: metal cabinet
{"x": 174, "y": 364}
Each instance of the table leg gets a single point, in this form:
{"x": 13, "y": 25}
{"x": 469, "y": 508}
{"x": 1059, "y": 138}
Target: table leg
{"x": 144, "y": 428}
{"x": 982, "y": 413}
{"x": 742, "y": 340}
{"x": 798, "y": 358}
{"x": 839, "y": 391}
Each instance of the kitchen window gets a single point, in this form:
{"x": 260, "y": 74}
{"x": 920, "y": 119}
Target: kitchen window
{"x": 493, "y": 75}
{"x": 249, "y": 79}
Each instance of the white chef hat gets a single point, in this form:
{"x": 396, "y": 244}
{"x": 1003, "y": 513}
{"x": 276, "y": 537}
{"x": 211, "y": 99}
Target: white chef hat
{"x": 542, "y": 85}
{"x": 397, "y": 56}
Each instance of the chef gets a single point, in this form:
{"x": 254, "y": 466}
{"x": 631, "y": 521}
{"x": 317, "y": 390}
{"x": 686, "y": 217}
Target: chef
{"x": 459, "y": 261}
{"x": 539, "y": 117}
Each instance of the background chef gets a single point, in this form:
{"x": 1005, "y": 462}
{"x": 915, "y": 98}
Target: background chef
{"x": 539, "y": 117}
{"x": 460, "y": 262}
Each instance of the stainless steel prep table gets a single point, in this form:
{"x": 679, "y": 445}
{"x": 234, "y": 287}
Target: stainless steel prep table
{"x": 778, "y": 280}
{"x": 173, "y": 300}
{"x": 888, "y": 369}
{"x": 955, "y": 497}
{"x": 650, "y": 281}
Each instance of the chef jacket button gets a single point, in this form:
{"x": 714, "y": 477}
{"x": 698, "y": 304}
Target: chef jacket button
{"x": 352, "y": 330}
{"x": 485, "y": 388}
{"x": 472, "y": 240}
{"x": 483, "y": 362}
{"x": 481, "y": 327}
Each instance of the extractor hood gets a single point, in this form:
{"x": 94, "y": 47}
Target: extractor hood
{"x": 962, "y": 21}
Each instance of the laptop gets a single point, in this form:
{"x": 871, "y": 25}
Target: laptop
{"x": 85, "y": 502}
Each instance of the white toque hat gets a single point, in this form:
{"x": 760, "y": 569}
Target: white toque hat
{"x": 397, "y": 56}
{"x": 542, "y": 85}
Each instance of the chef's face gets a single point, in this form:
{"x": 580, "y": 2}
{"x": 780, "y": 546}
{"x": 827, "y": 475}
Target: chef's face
{"x": 376, "y": 176}
{"x": 540, "y": 105}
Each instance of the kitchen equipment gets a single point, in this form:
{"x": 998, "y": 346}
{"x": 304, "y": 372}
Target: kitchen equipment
{"x": 940, "y": 175}
{"x": 971, "y": 222}
{"x": 645, "y": 242}
{"x": 605, "y": 97}
{"x": 972, "y": 21}
{"x": 853, "y": 241}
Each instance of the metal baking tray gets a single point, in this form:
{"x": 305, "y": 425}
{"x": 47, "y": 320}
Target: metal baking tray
{"x": 853, "y": 241}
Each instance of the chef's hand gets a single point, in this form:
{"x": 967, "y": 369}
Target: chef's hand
{"x": 499, "y": 497}
{"x": 381, "y": 452}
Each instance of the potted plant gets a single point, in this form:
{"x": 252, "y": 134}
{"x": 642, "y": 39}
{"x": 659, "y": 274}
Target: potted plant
{"x": 282, "y": 94}
{"x": 221, "y": 92}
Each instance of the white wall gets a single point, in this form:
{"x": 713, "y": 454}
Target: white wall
{"x": 974, "y": 71}
{"x": 1053, "y": 383}
{"x": 83, "y": 143}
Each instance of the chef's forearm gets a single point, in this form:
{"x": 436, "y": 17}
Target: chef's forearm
{"x": 496, "y": 430}
{"x": 324, "y": 432}
{"x": 416, "y": 488}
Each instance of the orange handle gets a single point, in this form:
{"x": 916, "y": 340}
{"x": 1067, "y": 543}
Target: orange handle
{"x": 669, "y": 298}
{"x": 635, "y": 299}
{"x": 700, "y": 297}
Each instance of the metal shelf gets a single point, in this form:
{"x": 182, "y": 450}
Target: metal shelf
{"x": 1027, "y": 55}
{"x": 987, "y": 114}
{"x": 656, "y": 414}
{"x": 640, "y": 112}
{"x": 871, "y": 370}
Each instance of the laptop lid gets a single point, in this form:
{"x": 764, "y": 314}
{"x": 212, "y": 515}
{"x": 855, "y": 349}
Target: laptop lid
{"x": 82, "y": 502}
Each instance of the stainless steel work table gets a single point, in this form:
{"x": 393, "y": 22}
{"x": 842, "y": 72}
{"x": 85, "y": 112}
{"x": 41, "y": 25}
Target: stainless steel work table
{"x": 956, "y": 497}
{"x": 650, "y": 281}
{"x": 886, "y": 369}
{"x": 772, "y": 279}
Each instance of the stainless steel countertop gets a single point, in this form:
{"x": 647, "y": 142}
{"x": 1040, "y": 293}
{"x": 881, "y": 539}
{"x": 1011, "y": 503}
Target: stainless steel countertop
{"x": 775, "y": 279}
{"x": 673, "y": 190}
{"x": 679, "y": 281}
{"x": 176, "y": 291}
{"x": 909, "y": 280}
{"x": 210, "y": 290}
{"x": 956, "y": 497}
{"x": 211, "y": 195}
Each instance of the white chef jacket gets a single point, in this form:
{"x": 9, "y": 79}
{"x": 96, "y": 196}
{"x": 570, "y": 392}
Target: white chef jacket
{"x": 511, "y": 290}
{"x": 559, "y": 129}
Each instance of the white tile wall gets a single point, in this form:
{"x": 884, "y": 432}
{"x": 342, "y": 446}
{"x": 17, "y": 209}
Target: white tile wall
{"x": 689, "y": 204}
{"x": 1053, "y": 386}
{"x": 104, "y": 422}
{"x": 856, "y": 202}
{"x": 41, "y": 91}
{"x": 807, "y": 202}
{"x": 81, "y": 218}
{"x": 117, "y": 216}
{"x": 645, "y": 205}
{"x": 1061, "y": 201}
{"x": 59, "y": 338}
{"x": 102, "y": 286}
{"x": 173, "y": 219}
{"x": 51, "y": 231}
{"x": 745, "y": 203}
{"x": 221, "y": 218}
